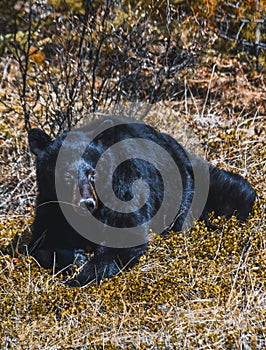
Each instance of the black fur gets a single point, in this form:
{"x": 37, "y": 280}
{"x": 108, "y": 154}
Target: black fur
{"x": 55, "y": 241}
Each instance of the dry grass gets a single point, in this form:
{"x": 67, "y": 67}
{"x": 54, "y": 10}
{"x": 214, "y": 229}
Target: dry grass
{"x": 196, "y": 289}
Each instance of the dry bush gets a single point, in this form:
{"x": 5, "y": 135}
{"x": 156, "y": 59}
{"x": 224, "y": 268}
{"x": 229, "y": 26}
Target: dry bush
{"x": 75, "y": 61}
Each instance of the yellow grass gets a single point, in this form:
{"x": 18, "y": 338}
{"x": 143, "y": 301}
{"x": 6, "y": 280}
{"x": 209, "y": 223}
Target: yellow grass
{"x": 196, "y": 289}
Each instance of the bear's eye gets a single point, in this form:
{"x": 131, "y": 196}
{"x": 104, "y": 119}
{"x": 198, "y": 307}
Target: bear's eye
{"x": 91, "y": 177}
{"x": 69, "y": 178}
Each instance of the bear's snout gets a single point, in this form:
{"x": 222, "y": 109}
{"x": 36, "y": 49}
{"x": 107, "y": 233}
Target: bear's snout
{"x": 88, "y": 204}
{"x": 89, "y": 200}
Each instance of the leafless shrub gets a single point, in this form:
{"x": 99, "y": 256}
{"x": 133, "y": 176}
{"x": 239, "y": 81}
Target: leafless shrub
{"x": 244, "y": 26}
{"x": 73, "y": 64}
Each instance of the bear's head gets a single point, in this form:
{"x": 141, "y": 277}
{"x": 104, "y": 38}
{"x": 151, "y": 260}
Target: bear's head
{"x": 60, "y": 164}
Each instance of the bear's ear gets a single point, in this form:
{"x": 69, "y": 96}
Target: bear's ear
{"x": 105, "y": 132}
{"x": 38, "y": 141}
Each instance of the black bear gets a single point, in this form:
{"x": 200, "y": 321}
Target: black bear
{"x": 104, "y": 186}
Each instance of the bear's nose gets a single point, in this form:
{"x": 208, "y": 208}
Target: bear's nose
{"x": 88, "y": 204}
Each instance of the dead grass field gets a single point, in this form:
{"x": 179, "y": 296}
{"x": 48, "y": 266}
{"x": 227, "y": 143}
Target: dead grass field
{"x": 196, "y": 289}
